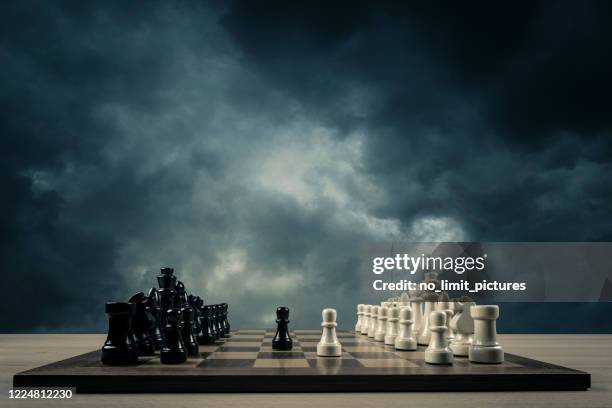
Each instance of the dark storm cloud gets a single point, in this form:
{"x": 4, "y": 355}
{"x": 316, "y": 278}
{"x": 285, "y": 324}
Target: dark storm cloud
{"x": 255, "y": 147}
{"x": 480, "y": 104}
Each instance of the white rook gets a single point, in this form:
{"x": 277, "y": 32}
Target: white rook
{"x": 485, "y": 348}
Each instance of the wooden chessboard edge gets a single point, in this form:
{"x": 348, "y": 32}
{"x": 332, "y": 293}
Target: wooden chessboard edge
{"x": 308, "y": 383}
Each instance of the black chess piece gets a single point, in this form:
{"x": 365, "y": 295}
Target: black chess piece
{"x": 181, "y": 294}
{"x": 226, "y": 325}
{"x": 166, "y": 278}
{"x": 173, "y": 350}
{"x": 192, "y": 301}
{"x": 282, "y": 340}
{"x": 119, "y": 347}
{"x": 156, "y": 330}
{"x": 206, "y": 336}
{"x": 167, "y": 293}
{"x": 213, "y": 321}
{"x": 219, "y": 321}
{"x": 142, "y": 322}
{"x": 189, "y": 340}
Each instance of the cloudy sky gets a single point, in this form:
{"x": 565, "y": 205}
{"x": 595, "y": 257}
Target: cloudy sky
{"x": 256, "y": 146}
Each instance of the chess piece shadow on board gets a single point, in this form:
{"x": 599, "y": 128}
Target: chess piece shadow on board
{"x": 282, "y": 340}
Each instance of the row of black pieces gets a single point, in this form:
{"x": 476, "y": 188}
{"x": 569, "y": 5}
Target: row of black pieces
{"x": 166, "y": 320}
{"x": 128, "y": 338}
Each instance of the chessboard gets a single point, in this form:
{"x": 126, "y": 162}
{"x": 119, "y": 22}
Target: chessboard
{"x": 245, "y": 362}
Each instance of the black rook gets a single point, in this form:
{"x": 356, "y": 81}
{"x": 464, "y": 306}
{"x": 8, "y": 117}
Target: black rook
{"x": 119, "y": 347}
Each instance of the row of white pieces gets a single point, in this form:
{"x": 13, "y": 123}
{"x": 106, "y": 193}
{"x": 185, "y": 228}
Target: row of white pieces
{"x": 372, "y": 320}
{"x": 398, "y": 329}
{"x": 368, "y": 314}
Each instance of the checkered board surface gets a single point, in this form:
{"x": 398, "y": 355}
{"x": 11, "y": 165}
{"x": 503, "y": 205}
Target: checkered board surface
{"x": 245, "y": 362}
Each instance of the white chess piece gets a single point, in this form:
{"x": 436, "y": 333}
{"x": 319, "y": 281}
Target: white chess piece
{"x": 405, "y": 339}
{"x": 360, "y": 311}
{"x": 381, "y": 326}
{"x": 404, "y": 300}
{"x": 463, "y": 326}
{"x": 443, "y": 302}
{"x": 424, "y": 333}
{"x": 438, "y": 352}
{"x": 417, "y": 312}
{"x": 449, "y": 332}
{"x": 365, "y": 323}
{"x": 392, "y": 326}
{"x": 373, "y": 321}
{"x": 329, "y": 346}
{"x": 485, "y": 348}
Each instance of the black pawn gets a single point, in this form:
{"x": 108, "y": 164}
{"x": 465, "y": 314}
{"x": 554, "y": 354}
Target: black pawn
{"x": 206, "y": 336}
{"x": 189, "y": 340}
{"x": 226, "y": 325}
{"x": 156, "y": 330}
{"x": 193, "y": 303}
{"x": 173, "y": 351}
{"x": 282, "y": 340}
{"x": 213, "y": 321}
{"x": 219, "y": 321}
{"x": 119, "y": 347}
{"x": 142, "y": 323}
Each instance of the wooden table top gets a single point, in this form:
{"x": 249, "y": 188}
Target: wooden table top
{"x": 591, "y": 353}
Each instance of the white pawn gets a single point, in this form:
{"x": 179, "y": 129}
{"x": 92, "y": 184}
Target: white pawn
{"x": 438, "y": 352}
{"x": 381, "y": 326}
{"x": 463, "y": 326}
{"x": 329, "y": 346}
{"x": 425, "y": 333}
{"x": 360, "y": 309}
{"x": 485, "y": 348}
{"x": 449, "y": 332}
{"x": 365, "y": 323}
{"x": 392, "y": 324}
{"x": 373, "y": 321}
{"x": 405, "y": 338}
{"x": 417, "y": 312}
